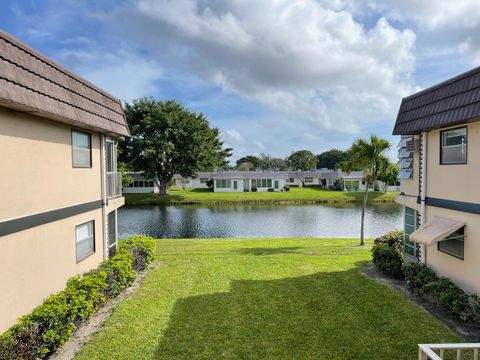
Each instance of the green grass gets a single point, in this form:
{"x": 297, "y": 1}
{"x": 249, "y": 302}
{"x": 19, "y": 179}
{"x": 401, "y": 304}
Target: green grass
{"x": 264, "y": 299}
{"x": 295, "y": 195}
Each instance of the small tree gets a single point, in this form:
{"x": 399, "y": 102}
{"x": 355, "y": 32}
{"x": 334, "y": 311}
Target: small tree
{"x": 369, "y": 156}
{"x": 168, "y": 139}
{"x": 250, "y": 160}
{"x": 389, "y": 174}
{"x": 265, "y": 161}
{"x": 301, "y": 161}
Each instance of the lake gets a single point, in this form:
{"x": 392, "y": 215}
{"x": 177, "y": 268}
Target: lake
{"x": 257, "y": 221}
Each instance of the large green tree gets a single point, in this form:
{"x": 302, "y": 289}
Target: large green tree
{"x": 389, "y": 174}
{"x": 301, "y": 161}
{"x": 369, "y": 155}
{"x": 329, "y": 159}
{"x": 167, "y": 139}
{"x": 247, "y": 162}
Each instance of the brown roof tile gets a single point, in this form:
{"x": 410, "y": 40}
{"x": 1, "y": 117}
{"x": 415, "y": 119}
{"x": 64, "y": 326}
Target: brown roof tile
{"x": 451, "y": 102}
{"x": 32, "y": 83}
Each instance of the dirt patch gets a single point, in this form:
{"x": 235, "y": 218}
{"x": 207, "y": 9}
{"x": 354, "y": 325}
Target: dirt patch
{"x": 468, "y": 331}
{"x": 90, "y": 327}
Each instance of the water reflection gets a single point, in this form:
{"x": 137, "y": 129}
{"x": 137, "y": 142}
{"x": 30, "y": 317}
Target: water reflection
{"x": 257, "y": 221}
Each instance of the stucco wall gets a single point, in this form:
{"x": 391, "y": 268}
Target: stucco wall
{"x": 37, "y": 262}
{"x": 455, "y": 182}
{"x": 466, "y": 273}
{"x": 37, "y": 172}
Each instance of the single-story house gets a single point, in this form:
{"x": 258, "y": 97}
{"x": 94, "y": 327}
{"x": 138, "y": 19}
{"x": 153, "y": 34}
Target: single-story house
{"x": 198, "y": 182}
{"x": 238, "y": 181}
{"x": 140, "y": 184}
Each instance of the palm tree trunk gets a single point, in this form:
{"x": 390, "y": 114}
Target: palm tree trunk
{"x": 364, "y": 207}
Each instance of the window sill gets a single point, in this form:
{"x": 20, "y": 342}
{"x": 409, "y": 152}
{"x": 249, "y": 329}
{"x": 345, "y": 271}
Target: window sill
{"x": 87, "y": 255}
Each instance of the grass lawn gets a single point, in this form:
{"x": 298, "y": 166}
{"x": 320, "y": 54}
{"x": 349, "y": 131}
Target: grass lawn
{"x": 295, "y": 195}
{"x": 264, "y": 299}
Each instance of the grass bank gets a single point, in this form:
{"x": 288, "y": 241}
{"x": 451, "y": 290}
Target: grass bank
{"x": 264, "y": 299}
{"x": 295, "y": 195}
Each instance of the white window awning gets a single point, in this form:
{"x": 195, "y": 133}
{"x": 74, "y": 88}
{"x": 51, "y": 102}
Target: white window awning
{"x": 435, "y": 230}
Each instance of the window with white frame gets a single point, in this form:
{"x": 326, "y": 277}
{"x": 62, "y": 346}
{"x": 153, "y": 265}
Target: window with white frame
{"x": 81, "y": 149}
{"x": 291, "y": 180}
{"x": 409, "y": 227}
{"x": 309, "y": 180}
{"x": 454, "y": 146}
{"x": 453, "y": 244}
{"x": 223, "y": 184}
{"x": 85, "y": 239}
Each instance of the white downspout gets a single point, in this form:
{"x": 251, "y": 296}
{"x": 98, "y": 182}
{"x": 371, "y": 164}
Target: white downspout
{"x": 104, "y": 196}
{"x": 423, "y": 191}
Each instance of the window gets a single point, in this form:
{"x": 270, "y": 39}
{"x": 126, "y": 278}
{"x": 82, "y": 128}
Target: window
{"x": 291, "y": 180}
{"x": 85, "y": 238}
{"x": 223, "y": 184}
{"x": 151, "y": 183}
{"x": 309, "y": 180}
{"x": 454, "y": 146}
{"x": 235, "y": 185}
{"x": 453, "y": 244}
{"x": 409, "y": 227}
{"x": 203, "y": 180}
{"x": 81, "y": 149}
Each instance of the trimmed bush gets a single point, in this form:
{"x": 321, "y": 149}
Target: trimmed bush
{"x": 286, "y": 188}
{"x": 254, "y": 189}
{"x": 142, "y": 248}
{"x": 417, "y": 275}
{"x": 393, "y": 239}
{"x": 40, "y": 333}
{"x": 294, "y": 185}
{"x": 270, "y": 189}
{"x": 449, "y": 296}
{"x": 388, "y": 260}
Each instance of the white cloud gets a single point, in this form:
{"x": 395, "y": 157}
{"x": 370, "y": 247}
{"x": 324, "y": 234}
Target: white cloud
{"x": 233, "y": 136}
{"x": 309, "y": 62}
{"x": 123, "y": 74}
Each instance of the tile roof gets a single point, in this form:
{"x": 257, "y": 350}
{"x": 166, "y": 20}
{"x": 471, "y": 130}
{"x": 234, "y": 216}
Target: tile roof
{"x": 449, "y": 103}
{"x": 32, "y": 83}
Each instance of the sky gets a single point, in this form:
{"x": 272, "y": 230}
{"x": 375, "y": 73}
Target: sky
{"x": 274, "y": 76}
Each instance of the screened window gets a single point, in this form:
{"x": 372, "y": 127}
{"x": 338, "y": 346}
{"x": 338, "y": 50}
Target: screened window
{"x": 409, "y": 227}
{"x": 291, "y": 180}
{"x": 308, "y": 180}
{"x": 453, "y": 244}
{"x": 81, "y": 149}
{"x": 223, "y": 184}
{"x": 85, "y": 238}
{"x": 454, "y": 146}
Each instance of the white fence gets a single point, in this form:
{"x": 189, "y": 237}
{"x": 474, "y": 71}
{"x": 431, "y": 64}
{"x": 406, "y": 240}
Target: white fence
{"x": 438, "y": 351}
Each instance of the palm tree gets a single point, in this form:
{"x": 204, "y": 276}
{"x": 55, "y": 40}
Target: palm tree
{"x": 368, "y": 155}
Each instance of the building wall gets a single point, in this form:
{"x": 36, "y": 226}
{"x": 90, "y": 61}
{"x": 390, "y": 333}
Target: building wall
{"x": 140, "y": 190}
{"x": 192, "y": 184}
{"x": 37, "y": 172}
{"x": 465, "y": 273}
{"x": 37, "y": 177}
{"x": 240, "y": 186}
{"x": 454, "y": 182}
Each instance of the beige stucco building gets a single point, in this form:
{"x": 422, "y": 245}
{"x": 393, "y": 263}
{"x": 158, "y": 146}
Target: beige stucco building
{"x": 440, "y": 167}
{"x": 60, "y": 188}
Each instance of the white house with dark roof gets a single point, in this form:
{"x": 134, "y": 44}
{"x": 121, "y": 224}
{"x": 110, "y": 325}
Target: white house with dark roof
{"x": 238, "y": 181}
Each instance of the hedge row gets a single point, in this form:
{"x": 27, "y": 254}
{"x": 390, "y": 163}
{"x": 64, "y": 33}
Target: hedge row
{"x": 43, "y": 331}
{"x": 387, "y": 255}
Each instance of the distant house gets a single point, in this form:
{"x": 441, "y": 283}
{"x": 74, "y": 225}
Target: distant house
{"x": 440, "y": 168}
{"x": 140, "y": 184}
{"x": 310, "y": 177}
{"x": 238, "y": 181}
{"x": 198, "y": 182}
{"x": 60, "y": 185}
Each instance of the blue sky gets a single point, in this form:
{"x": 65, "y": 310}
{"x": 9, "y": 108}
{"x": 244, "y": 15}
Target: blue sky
{"x": 275, "y": 76}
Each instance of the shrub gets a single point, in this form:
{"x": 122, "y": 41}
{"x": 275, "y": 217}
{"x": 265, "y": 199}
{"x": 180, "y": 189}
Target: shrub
{"x": 142, "y": 248}
{"x": 448, "y": 295}
{"x": 417, "y": 275}
{"x": 286, "y": 188}
{"x": 294, "y": 185}
{"x": 51, "y": 324}
{"x": 270, "y": 189}
{"x": 254, "y": 189}
{"x": 471, "y": 311}
{"x": 393, "y": 239}
{"x": 388, "y": 260}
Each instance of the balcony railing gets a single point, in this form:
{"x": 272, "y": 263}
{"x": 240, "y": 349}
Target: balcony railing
{"x": 114, "y": 184}
{"x": 437, "y": 351}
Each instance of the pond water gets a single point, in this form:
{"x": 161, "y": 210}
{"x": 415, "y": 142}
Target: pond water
{"x": 264, "y": 221}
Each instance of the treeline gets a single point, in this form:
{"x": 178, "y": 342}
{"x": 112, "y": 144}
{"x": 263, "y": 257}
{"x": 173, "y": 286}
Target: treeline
{"x": 302, "y": 159}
